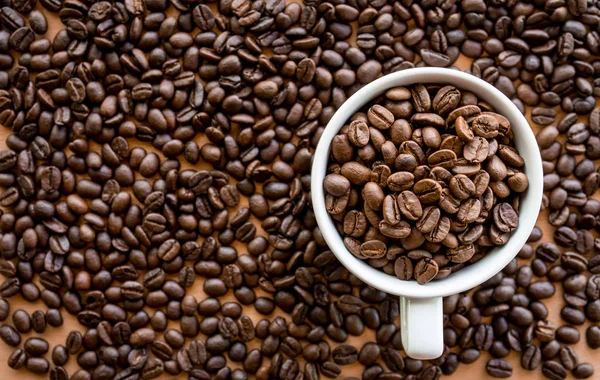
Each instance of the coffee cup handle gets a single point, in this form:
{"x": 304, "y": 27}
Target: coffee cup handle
{"x": 421, "y": 326}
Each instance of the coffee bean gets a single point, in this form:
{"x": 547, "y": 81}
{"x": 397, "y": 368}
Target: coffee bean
{"x": 345, "y": 354}
{"x": 592, "y": 336}
{"x": 22, "y": 321}
{"x": 543, "y": 116}
{"x": 37, "y": 22}
{"x": 74, "y": 342}
{"x": 531, "y": 358}
{"x": 37, "y": 365}
{"x": 4, "y": 309}
{"x": 425, "y": 270}
{"x": 499, "y": 368}
{"x": 583, "y": 371}
{"x": 554, "y": 370}
{"x": 403, "y": 268}
{"x": 469, "y": 355}
{"x": 38, "y": 321}
{"x": 10, "y": 336}
{"x": 60, "y": 355}
{"x": 36, "y": 346}
{"x": 380, "y": 117}
{"x": 567, "y": 334}
{"x": 568, "y": 358}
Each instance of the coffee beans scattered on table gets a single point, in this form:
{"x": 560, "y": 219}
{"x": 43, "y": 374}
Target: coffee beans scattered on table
{"x": 424, "y": 182}
{"x": 156, "y": 147}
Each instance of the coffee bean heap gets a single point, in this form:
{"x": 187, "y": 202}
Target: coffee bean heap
{"x": 425, "y": 184}
{"x": 107, "y": 218}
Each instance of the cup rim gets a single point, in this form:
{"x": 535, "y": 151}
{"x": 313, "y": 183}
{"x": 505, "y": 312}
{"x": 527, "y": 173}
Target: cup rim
{"x": 496, "y": 259}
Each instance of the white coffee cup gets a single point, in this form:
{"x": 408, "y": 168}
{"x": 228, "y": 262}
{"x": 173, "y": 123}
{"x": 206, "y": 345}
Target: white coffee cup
{"x": 421, "y": 320}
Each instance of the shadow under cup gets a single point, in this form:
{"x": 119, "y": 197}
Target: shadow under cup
{"x": 413, "y": 294}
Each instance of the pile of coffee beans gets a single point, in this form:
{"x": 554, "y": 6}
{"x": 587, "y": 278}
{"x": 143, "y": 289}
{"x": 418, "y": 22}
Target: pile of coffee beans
{"x": 155, "y": 185}
{"x": 426, "y": 183}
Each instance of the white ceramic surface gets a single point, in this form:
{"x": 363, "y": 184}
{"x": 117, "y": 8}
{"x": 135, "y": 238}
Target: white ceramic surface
{"x": 421, "y": 311}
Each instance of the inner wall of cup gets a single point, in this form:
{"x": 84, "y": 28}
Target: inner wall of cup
{"x": 495, "y": 259}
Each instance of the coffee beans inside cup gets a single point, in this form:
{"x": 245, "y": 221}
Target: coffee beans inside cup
{"x": 425, "y": 181}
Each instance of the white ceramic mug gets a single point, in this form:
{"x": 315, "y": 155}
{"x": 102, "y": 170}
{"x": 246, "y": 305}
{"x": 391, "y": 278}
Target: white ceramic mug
{"x": 421, "y": 305}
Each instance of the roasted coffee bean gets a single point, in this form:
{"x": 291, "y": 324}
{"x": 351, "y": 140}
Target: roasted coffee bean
{"x": 499, "y": 368}
{"x": 567, "y": 334}
{"x": 17, "y": 359}
{"x": 531, "y": 358}
{"x": 425, "y": 270}
{"x": 583, "y": 371}
{"x": 37, "y": 365}
{"x": 35, "y": 346}
{"x": 10, "y": 336}
{"x": 345, "y": 354}
{"x": 554, "y": 370}
{"x": 60, "y": 356}
{"x": 38, "y": 321}
{"x": 592, "y": 337}
{"x": 22, "y": 321}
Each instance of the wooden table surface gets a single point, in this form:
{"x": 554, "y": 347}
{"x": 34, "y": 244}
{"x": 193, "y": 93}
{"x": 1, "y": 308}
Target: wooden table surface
{"x": 472, "y": 371}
